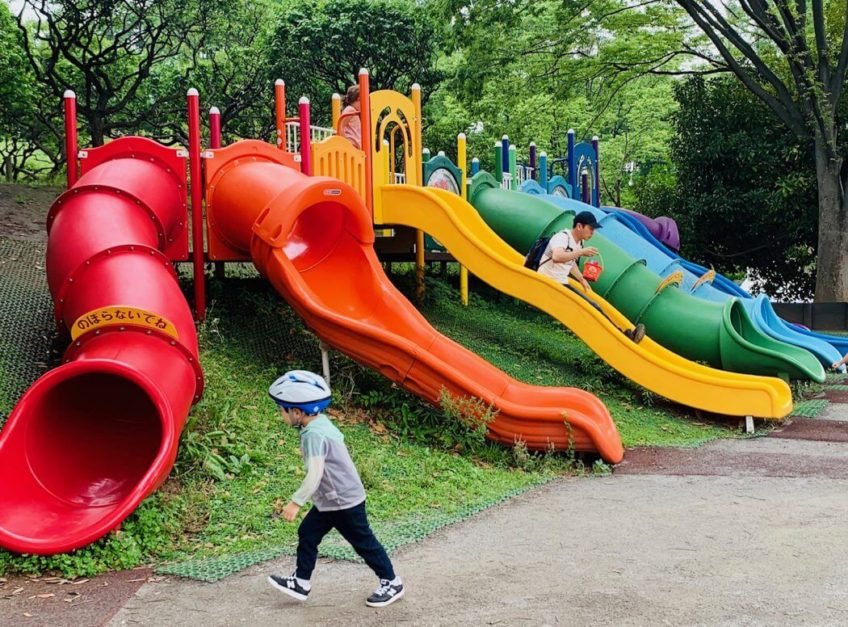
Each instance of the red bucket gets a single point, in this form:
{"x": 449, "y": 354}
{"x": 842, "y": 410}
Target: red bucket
{"x": 592, "y": 270}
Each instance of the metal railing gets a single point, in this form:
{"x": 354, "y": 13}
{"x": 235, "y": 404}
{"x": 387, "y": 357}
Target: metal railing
{"x": 525, "y": 173}
{"x": 316, "y": 134}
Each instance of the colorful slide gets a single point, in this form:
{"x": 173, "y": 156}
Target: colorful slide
{"x": 457, "y": 225}
{"x": 719, "y": 334}
{"x": 93, "y": 437}
{"x": 719, "y": 283}
{"x": 663, "y": 228}
{"x": 312, "y": 237}
{"x": 618, "y": 229}
{"x": 666, "y": 264}
{"x": 759, "y": 309}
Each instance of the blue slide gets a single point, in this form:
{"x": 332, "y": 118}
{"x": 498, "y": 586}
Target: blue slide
{"x": 720, "y": 282}
{"x": 633, "y": 237}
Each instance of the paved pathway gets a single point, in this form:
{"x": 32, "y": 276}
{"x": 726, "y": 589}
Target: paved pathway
{"x": 738, "y": 532}
{"x": 735, "y": 532}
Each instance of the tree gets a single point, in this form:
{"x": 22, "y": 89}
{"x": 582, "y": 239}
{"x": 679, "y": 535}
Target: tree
{"x": 745, "y": 197}
{"x": 26, "y": 122}
{"x": 319, "y": 47}
{"x": 105, "y": 50}
{"x": 534, "y": 68}
{"x": 227, "y": 65}
{"x": 793, "y": 55}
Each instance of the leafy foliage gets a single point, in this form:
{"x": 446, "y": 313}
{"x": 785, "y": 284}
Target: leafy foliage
{"x": 25, "y": 121}
{"x": 564, "y": 65}
{"x": 745, "y": 195}
{"x": 318, "y": 47}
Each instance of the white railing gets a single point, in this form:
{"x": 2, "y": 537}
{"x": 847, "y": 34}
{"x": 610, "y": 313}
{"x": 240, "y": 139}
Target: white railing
{"x": 523, "y": 173}
{"x": 316, "y": 134}
{"x": 399, "y": 178}
{"x": 506, "y": 181}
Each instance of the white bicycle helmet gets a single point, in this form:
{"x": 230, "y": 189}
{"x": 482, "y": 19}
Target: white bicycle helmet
{"x": 301, "y": 389}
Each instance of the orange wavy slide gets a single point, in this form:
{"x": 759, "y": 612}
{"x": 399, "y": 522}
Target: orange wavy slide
{"x": 312, "y": 237}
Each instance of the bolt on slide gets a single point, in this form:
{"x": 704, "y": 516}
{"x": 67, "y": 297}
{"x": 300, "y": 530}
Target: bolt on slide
{"x": 92, "y": 438}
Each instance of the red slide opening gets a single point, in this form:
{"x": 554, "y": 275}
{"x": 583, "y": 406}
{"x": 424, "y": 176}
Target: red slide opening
{"x": 91, "y": 439}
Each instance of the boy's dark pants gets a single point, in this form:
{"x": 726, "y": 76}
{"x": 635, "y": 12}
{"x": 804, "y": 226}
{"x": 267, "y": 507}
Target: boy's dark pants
{"x": 588, "y": 300}
{"x": 352, "y": 523}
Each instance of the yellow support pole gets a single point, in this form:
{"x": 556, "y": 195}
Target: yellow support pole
{"x": 415, "y": 177}
{"x": 419, "y": 265}
{"x": 415, "y": 132}
{"x": 461, "y": 158}
{"x": 337, "y": 111}
{"x": 387, "y": 168}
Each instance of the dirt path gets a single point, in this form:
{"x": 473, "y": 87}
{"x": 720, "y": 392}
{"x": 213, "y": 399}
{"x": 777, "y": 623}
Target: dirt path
{"x": 23, "y": 211}
{"x": 736, "y": 532}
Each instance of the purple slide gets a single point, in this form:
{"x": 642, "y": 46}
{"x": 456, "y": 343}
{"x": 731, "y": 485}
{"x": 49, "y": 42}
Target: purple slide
{"x": 663, "y": 228}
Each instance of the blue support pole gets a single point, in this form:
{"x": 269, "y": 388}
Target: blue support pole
{"x": 543, "y": 170}
{"x": 505, "y": 154}
{"x": 475, "y": 166}
{"x": 533, "y": 160}
{"x": 596, "y": 186}
{"x": 572, "y": 166}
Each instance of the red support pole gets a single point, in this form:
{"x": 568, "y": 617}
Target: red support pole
{"x": 71, "y": 147}
{"x": 367, "y": 139}
{"x": 214, "y": 128}
{"x": 196, "y": 200}
{"x": 280, "y": 112}
{"x": 305, "y": 137}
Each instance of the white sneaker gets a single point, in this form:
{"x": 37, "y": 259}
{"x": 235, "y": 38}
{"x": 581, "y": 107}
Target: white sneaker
{"x": 385, "y": 595}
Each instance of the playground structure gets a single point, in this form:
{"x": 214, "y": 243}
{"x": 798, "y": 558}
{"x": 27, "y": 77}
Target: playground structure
{"x": 579, "y": 179}
{"x": 312, "y": 213}
{"x": 655, "y": 242}
{"x": 90, "y": 439}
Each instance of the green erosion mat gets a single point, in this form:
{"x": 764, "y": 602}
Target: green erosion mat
{"x": 392, "y": 535}
{"x": 835, "y": 382}
{"x": 27, "y": 330}
{"x": 810, "y": 409}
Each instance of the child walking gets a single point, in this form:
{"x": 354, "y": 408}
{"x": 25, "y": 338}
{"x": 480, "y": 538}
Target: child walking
{"x": 333, "y": 485}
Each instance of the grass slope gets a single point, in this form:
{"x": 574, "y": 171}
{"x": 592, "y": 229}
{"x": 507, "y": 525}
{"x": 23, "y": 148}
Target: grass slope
{"x": 238, "y": 463}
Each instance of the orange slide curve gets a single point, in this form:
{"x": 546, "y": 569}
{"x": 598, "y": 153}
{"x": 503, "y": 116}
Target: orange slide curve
{"x": 312, "y": 237}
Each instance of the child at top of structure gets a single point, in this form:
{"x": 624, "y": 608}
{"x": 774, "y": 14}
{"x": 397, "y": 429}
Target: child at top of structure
{"x": 332, "y": 484}
{"x": 350, "y": 127}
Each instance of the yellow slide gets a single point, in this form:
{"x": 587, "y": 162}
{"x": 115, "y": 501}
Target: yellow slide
{"x": 458, "y": 226}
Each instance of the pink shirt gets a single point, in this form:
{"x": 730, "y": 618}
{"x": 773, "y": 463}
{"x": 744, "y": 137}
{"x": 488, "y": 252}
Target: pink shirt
{"x": 351, "y": 128}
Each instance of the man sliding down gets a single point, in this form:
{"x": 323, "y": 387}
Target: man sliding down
{"x": 563, "y": 250}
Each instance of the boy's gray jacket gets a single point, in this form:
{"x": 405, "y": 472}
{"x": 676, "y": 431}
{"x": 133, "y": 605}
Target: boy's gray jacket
{"x": 331, "y": 482}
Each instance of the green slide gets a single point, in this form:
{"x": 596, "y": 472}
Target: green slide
{"x": 716, "y": 333}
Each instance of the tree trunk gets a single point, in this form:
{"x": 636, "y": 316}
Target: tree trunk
{"x": 832, "y": 260}
{"x": 98, "y": 125}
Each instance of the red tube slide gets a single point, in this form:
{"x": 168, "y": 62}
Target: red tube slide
{"x": 312, "y": 237}
{"x": 92, "y": 438}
